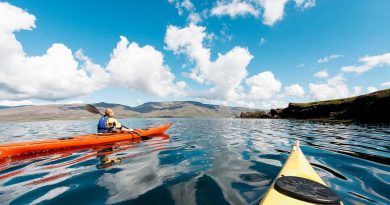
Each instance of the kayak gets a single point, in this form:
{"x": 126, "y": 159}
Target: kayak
{"x": 298, "y": 183}
{"x": 33, "y": 147}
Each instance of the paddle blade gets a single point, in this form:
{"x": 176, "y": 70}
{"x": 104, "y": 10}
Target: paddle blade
{"x": 92, "y": 109}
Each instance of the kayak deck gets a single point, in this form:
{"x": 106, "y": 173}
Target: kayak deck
{"x": 296, "y": 165}
{"x": 23, "y": 148}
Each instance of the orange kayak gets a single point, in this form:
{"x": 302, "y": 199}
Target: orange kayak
{"x": 32, "y": 147}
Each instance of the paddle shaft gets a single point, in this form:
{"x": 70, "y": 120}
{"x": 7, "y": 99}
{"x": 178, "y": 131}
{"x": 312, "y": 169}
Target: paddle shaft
{"x": 92, "y": 109}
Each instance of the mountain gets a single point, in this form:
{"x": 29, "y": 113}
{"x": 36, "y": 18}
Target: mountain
{"x": 171, "y": 109}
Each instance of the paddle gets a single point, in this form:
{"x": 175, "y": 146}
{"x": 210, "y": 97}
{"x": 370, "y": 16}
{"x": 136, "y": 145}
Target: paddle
{"x": 92, "y": 109}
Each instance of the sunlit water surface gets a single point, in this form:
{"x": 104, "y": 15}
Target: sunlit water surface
{"x": 203, "y": 161}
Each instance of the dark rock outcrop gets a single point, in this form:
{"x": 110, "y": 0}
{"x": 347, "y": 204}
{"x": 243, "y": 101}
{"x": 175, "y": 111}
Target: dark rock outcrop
{"x": 275, "y": 113}
{"x": 371, "y": 107}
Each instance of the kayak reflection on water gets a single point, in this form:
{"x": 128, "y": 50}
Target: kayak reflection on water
{"x": 105, "y": 162}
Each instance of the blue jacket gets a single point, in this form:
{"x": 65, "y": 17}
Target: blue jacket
{"x": 101, "y": 127}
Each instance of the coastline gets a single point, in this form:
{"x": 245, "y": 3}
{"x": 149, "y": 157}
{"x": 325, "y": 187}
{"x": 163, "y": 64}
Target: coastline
{"x": 372, "y": 107}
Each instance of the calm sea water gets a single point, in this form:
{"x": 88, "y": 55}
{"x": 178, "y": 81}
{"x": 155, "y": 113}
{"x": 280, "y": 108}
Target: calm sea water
{"x": 202, "y": 161}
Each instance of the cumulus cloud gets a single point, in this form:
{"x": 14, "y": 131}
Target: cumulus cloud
{"x": 194, "y": 18}
{"x": 335, "y": 87}
{"x": 372, "y": 89}
{"x": 269, "y": 104}
{"x": 263, "y": 86}
{"x": 142, "y": 69}
{"x": 294, "y": 90}
{"x": 74, "y": 102}
{"x": 15, "y": 102}
{"x": 385, "y": 84}
{"x": 14, "y": 19}
{"x": 60, "y": 74}
{"x": 224, "y": 74}
{"x": 305, "y": 4}
{"x": 182, "y": 5}
{"x": 234, "y": 8}
{"x": 368, "y": 63}
{"x": 55, "y": 75}
{"x": 272, "y": 10}
{"x": 321, "y": 74}
{"x": 187, "y": 6}
{"x": 329, "y": 58}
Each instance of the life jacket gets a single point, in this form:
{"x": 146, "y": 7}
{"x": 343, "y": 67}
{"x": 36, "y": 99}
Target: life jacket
{"x": 101, "y": 127}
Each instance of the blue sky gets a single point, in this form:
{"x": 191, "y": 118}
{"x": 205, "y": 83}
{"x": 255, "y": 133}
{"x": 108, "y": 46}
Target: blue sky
{"x": 248, "y": 53}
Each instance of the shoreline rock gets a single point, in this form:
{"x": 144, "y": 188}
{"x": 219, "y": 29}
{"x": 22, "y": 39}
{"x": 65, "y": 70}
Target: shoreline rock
{"x": 372, "y": 107}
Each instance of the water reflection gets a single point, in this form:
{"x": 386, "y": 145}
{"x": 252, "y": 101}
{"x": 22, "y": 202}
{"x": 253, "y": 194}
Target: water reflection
{"x": 203, "y": 161}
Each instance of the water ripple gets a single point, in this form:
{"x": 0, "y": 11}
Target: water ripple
{"x": 202, "y": 161}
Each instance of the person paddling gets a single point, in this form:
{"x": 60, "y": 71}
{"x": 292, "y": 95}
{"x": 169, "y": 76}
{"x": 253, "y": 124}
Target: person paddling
{"x": 108, "y": 123}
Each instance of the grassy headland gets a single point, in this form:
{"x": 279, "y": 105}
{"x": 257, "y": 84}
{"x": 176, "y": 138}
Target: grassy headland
{"x": 373, "y": 107}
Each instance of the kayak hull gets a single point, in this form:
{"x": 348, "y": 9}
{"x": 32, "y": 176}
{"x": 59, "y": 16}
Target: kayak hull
{"x": 32, "y": 147}
{"x": 296, "y": 165}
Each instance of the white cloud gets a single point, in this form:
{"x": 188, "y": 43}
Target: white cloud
{"x": 194, "y": 18}
{"x": 182, "y": 5}
{"x": 14, "y": 19}
{"x": 329, "y": 58}
{"x": 55, "y": 75}
{"x": 273, "y": 10}
{"x": 224, "y": 34}
{"x": 74, "y": 102}
{"x": 357, "y": 90}
{"x": 15, "y": 103}
{"x": 368, "y": 63}
{"x": 294, "y": 90}
{"x": 263, "y": 86}
{"x": 270, "y": 104}
{"x": 333, "y": 89}
{"x": 59, "y": 74}
{"x": 142, "y": 69}
{"x": 188, "y": 6}
{"x": 372, "y": 89}
{"x": 227, "y": 72}
{"x": 305, "y": 4}
{"x": 189, "y": 41}
{"x": 224, "y": 74}
{"x": 234, "y": 8}
{"x": 321, "y": 74}
{"x": 385, "y": 84}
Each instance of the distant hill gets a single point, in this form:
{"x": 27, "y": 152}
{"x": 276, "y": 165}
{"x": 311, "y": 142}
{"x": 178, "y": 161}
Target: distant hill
{"x": 173, "y": 109}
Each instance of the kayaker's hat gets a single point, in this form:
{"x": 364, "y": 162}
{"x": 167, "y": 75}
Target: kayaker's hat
{"x": 109, "y": 112}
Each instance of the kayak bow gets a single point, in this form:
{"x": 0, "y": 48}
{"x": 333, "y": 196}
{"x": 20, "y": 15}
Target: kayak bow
{"x": 298, "y": 183}
{"x": 32, "y": 147}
